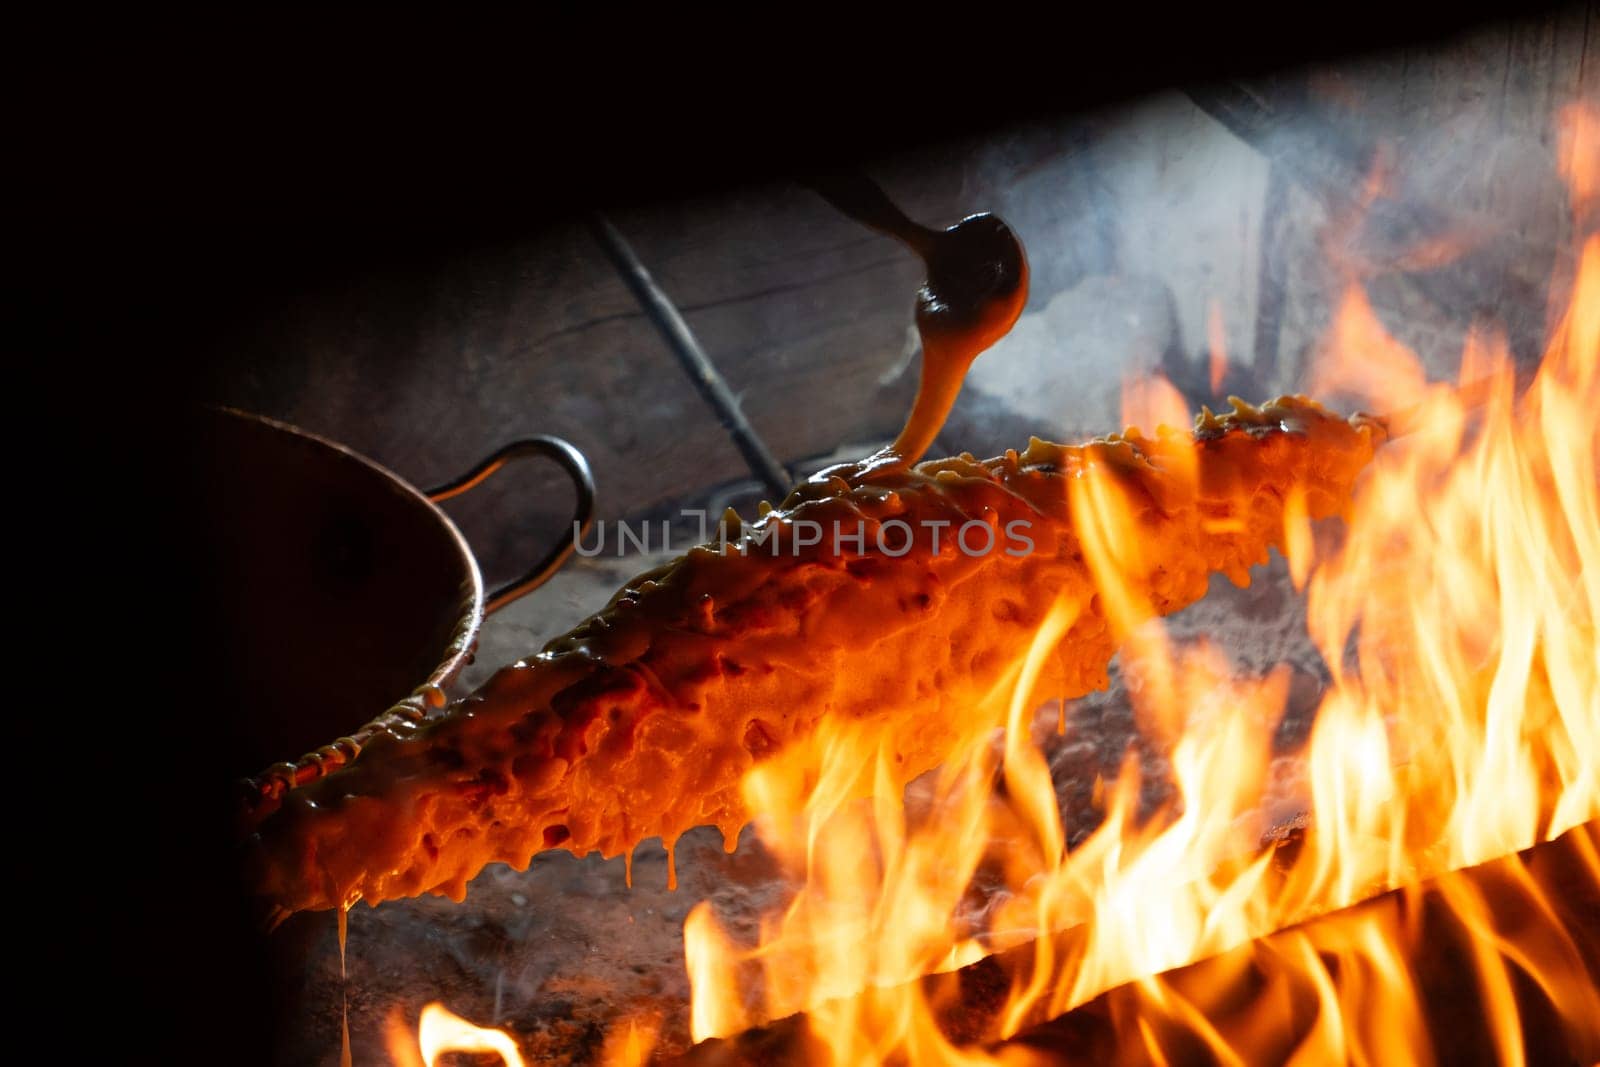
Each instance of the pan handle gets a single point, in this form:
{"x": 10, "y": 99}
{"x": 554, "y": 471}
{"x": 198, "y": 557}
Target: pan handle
{"x": 577, "y": 467}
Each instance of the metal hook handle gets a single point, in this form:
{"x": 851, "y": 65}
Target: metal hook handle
{"x": 577, "y": 467}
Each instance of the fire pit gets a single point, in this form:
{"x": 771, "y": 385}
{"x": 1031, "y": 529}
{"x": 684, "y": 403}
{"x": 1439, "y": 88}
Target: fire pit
{"x": 1289, "y": 828}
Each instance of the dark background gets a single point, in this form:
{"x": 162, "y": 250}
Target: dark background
{"x": 180, "y": 179}
{"x": 172, "y": 188}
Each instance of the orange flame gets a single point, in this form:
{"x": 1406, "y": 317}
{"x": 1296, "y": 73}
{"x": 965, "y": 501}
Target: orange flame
{"x": 1361, "y": 360}
{"x": 1579, "y": 148}
{"x": 1153, "y": 401}
{"x": 630, "y": 1044}
{"x": 1458, "y": 620}
{"x": 440, "y": 1032}
{"x": 1217, "y": 341}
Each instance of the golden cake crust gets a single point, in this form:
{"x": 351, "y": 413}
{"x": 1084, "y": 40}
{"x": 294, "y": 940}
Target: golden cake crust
{"x": 642, "y": 720}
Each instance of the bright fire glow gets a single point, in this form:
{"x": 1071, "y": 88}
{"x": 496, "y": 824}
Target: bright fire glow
{"x": 1457, "y": 618}
{"x": 440, "y": 1032}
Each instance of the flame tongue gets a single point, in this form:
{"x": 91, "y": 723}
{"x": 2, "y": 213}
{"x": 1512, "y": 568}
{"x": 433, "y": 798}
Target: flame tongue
{"x": 441, "y": 1032}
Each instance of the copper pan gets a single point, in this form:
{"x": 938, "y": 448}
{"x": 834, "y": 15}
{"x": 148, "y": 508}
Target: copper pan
{"x": 347, "y": 600}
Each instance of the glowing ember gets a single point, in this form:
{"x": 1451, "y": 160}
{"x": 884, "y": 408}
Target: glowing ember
{"x": 1458, "y": 621}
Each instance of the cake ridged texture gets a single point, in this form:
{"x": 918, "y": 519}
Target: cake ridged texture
{"x": 642, "y": 720}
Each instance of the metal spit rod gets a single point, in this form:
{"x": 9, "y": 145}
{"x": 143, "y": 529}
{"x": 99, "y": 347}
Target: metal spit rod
{"x": 710, "y": 383}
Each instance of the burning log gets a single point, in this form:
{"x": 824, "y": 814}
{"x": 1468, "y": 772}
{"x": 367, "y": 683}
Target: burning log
{"x": 1479, "y": 965}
